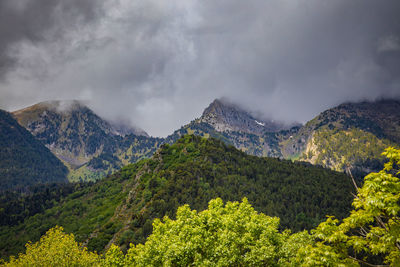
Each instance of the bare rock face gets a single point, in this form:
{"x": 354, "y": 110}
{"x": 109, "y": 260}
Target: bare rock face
{"x": 225, "y": 116}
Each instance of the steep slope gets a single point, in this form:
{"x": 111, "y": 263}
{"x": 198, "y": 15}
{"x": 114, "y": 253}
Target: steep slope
{"x": 351, "y": 133}
{"x": 24, "y": 160}
{"x": 349, "y": 136}
{"x": 127, "y": 149}
{"x": 71, "y": 130}
{"x": 76, "y": 135}
{"x": 192, "y": 171}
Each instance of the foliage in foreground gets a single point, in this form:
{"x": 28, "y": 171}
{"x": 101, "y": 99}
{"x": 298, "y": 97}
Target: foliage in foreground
{"x": 373, "y": 227}
{"x": 236, "y": 235}
{"x": 223, "y": 235}
{"x": 192, "y": 171}
{"x": 55, "y": 248}
{"x": 230, "y": 235}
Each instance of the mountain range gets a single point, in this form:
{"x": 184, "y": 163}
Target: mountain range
{"x": 221, "y": 154}
{"x": 350, "y": 136}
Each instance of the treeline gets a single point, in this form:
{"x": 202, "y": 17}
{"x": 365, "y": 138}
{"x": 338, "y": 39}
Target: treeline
{"x": 24, "y": 160}
{"x": 192, "y": 171}
{"x": 18, "y": 204}
{"x": 195, "y": 170}
{"x": 235, "y": 234}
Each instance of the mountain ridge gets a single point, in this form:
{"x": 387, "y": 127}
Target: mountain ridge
{"x": 377, "y": 123}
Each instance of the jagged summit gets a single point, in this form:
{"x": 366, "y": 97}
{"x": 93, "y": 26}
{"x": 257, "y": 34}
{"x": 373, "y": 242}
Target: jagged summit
{"x": 226, "y": 116}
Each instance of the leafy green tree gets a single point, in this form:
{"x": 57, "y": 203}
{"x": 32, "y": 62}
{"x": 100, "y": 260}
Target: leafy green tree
{"x": 223, "y": 235}
{"x": 55, "y": 248}
{"x": 114, "y": 257}
{"x": 372, "y": 231}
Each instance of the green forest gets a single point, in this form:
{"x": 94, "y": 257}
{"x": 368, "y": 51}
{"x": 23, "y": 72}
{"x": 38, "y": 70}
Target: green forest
{"x": 235, "y": 234}
{"x": 121, "y": 208}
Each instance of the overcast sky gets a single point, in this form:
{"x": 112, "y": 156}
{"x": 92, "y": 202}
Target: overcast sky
{"x": 159, "y": 63}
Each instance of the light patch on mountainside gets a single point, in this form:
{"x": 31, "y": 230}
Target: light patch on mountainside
{"x": 85, "y": 174}
{"x": 341, "y": 149}
{"x": 260, "y": 123}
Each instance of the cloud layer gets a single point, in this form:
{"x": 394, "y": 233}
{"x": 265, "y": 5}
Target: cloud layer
{"x": 160, "y": 63}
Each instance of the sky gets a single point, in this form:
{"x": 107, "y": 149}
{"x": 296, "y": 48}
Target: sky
{"x": 158, "y": 64}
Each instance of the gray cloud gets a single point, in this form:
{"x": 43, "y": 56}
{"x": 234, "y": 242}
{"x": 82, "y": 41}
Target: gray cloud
{"x": 37, "y": 22}
{"x": 159, "y": 63}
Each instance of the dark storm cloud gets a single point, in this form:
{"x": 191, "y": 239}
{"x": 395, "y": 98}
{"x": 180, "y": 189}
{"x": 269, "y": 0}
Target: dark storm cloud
{"x": 39, "y": 21}
{"x": 160, "y": 63}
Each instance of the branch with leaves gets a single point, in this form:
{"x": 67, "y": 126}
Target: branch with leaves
{"x": 371, "y": 232}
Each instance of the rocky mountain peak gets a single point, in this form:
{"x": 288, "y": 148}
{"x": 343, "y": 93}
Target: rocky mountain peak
{"x": 227, "y": 116}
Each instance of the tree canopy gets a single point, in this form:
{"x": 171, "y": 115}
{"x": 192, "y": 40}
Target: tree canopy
{"x": 235, "y": 234}
{"x": 55, "y": 248}
{"x": 372, "y": 231}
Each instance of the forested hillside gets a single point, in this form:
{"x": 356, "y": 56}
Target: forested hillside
{"x": 192, "y": 171}
{"x": 16, "y": 206}
{"x": 24, "y": 160}
{"x": 235, "y": 234}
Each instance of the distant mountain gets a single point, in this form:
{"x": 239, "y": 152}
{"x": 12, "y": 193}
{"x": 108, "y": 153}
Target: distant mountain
{"x": 224, "y": 116}
{"x": 121, "y": 208}
{"x": 71, "y": 130}
{"x": 76, "y": 135}
{"x": 24, "y": 160}
{"x": 234, "y": 125}
{"x": 92, "y": 147}
{"x": 351, "y": 135}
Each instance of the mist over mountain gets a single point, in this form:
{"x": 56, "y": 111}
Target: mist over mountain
{"x": 71, "y": 130}
{"x": 351, "y": 133}
{"x": 226, "y": 116}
